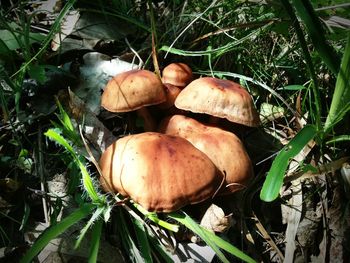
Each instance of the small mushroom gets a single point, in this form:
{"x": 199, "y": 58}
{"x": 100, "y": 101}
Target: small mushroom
{"x": 160, "y": 172}
{"x": 177, "y": 74}
{"x": 134, "y": 90}
{"x": 175, "y": 77}
{"x": 222, "y": 147}
{"x": 171, "y": 93}
{"x": 220, "y": 98}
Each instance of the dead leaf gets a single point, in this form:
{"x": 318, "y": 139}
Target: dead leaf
{"x": 95, "y": 72}
{"x": 94, "y": 131}
{"x": 295, "y": 205}
{"x": 214, "y": 219}
{"x": 67, "y": 27}
{"x": 269, "y": 112}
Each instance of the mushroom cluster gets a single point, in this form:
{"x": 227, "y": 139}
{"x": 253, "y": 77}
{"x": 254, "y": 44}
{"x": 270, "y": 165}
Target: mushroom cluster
{"x": 178, "y": 160}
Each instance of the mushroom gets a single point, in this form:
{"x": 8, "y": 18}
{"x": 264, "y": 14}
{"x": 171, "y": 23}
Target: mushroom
{"x": 160, "y": 172}
{"x": 219, "y": 98}
{"x": 134, "y": 90}
{"x": 175, "y": 77}
{"x": 171, "y": 93}
{"x": 177, "y": 74}
{"x": 223, "y": 148}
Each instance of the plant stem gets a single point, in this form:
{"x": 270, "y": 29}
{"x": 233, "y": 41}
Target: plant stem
{"x": 309, "y": 64}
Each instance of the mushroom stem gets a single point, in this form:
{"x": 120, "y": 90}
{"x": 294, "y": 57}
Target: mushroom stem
{"x": 149, "y": 122}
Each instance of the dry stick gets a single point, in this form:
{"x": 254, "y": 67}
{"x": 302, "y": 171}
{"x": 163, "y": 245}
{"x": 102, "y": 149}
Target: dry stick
{"x": 332, "y": 7}
{"x": 267, "y": 237}
{"x": 296, "y": 201}
{"x": 322, "y": 169}
{"x": 141, "y": 63}
{"x": 154, "y": 37}
{"x": 154, "y": 57}
{"x": 41, "y": 175}
{"x": 93, "y": 160}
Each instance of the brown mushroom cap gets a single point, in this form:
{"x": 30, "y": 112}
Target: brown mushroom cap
{"x": 160, "y": 172}
{"x": 177, "y": 74}
{"x": 224, "y": 149}
{"x": 132, "y": 90}
{"x": 219, "y": 98}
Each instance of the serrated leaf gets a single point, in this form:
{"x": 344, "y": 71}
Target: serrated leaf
{"x": 87, "y": 181}
{"x": 55, "y": 136}
{"x": 94, "y": 218}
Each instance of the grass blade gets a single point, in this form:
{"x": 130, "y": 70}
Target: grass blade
{"x": 122, "y": 16}
{"x": 211, "y": 239}
{"x": 223, "y": 244}
{"x": 94, "y": 218}
{"x": 301, "y": 37}
{"x": 192, "y": 225}
{"x": 56, "y": 230}
{"x": 95, "y": 241}
{"x": 274, "y": 179}
{"x": 50, "y": 35}
{"x": 142, "y": 239}
{"x": 25, "y": 216}
{"x": 341, "y": 95}
{"x": 128, "y": 243}
{"x": 154, "y": 218}
{"x": 340, "y": 138}
{"x": 219, "y": 50}
{"x": 161, "y": 250}
{"x": 314, "y": 27}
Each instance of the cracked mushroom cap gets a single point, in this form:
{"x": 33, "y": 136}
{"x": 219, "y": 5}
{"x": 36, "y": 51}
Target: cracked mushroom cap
{"x": 220, "y": 98}
{"x": 177, "y": 74}
{"x": 223, "y": 148}
{"x": 160, "y": 172}
{"x": 132, "y": 90}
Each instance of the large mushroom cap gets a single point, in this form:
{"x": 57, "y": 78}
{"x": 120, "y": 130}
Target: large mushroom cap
{"x": 177, "y": 74}
{"x": 160, "y": 172}
{"x": 224, "y": 149}
{"x": 220, "y": 98}
{"x": 132, "y": 90}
